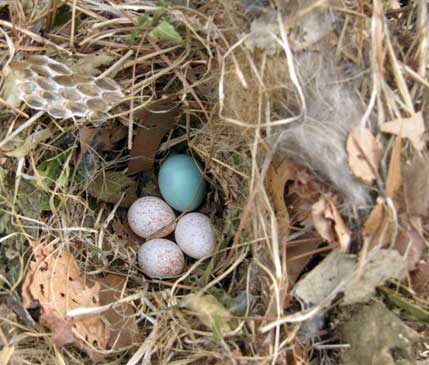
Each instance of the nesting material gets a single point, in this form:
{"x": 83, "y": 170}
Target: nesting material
{"x": 318, "y": 139}
{"x": 46, "y": 84}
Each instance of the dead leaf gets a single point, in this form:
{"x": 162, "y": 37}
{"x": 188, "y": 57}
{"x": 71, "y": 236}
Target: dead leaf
{"x": 420, "y": 279}
{"x": 378, "y": 227}
{"x": 324, "y": 278}
{"x": 394, "y": 4}
{"x": 410, "y": 242}
{"x": 412, "y": 128}
{"x": 31, "y": 142}
{"x": 382, "y": 265}
{"x": 364, "y": 154}
{"x": 90, "y": 64}
{"x": 279, "y": 173}
{"x": 86, "y": 135}
{"x": 110, "y": 135}
{"x": 210, "y": 312}
{"x": 375, "y": 334}
{"x": 298, "y": 256}
{"x": 11, "y": 93}
{"x": 54, "y": 282}
{"x": 416, "y": 187}
{"x": 301, "y": 185}
{"x": 109, "y": 187}
{"x": 121, "y": 318}
{"x": 339, "y": 268}
{"x": 155, "y": 123}
{"x": 328, "y": 222}
{"x": 394, "y": 176}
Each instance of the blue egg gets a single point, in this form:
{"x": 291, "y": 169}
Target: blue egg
{"x": 181, "y": 184}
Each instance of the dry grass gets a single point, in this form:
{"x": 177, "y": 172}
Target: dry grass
{"x": 235, "y": 103}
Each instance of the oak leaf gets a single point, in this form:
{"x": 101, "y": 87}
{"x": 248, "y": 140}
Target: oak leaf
{"x": 412, "y": 128}
{"x": 329, "y": 224}
{"x": 364, "y": 155}
{"x": 55, "y": 284}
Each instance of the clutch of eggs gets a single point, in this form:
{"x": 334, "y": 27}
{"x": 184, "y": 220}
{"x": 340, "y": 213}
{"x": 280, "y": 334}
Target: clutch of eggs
{"x": 152, "y": 218}
{"x": 49, "y": 85}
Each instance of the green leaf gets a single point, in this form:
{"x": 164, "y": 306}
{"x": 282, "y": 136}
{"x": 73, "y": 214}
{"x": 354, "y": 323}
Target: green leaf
{"x": 53, "y": 171}
{"x": 164, "y": 31}
{"x": 142, "y": 21}
{"x": 109, "y": 187}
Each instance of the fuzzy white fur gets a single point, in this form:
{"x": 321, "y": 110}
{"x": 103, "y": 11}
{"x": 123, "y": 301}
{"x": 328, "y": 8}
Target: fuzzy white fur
{"x": 318, "y": 140}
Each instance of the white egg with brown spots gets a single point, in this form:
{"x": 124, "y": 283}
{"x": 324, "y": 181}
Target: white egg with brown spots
{"x": 161, "y": 258}
{"x": 151, "y": 217}
{"x": 195, "y": 236}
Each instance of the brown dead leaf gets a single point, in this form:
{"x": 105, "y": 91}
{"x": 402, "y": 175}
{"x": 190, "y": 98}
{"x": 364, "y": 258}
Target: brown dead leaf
{"x": 279, "y": 173}
{"x": 410, "y": 242}
{"x": 54, "y": 283}
{"x": 420, "y": 279}
{"x": 86, "y": 135}
{"x": 121, "y": 318}
{"x": 304, "y": 190}
{"x": 155, "y": 123}
{"x": 298, "y": 256}
{"x": 394, "y": 176}
{"x": 378, "y": 226}
{"x": 412, "y": 128}
{"x": 416, "y": 187}
{"x": 109, "y": 135}
{"x": 364, "y": 155}
{"x": 394, "y": 4}
{"x": 109, "y": 187}
{"x": 329, "y": 224}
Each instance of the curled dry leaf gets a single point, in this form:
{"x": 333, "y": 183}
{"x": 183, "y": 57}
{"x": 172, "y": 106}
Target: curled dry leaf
{"x": 86, "y": 135}
{"x": 416, "y": 187}
{"x": 364, "y": 154}
{"x": 329, "y": 224}
{"x": 279, "y": 173}
{"x": 394, "y": 175}
{"x": 412, "y": 128}
{"x": 378, "y": 227}
{"x": 154, "y": 125}
{"x": 304, "y": 188}
{"x": 109, "y": 187}
{"x": 121, "y": 318}
{"x": 420, "y": 279}
{"x": 54, "y": 283}
{"x": 410, "y": 242}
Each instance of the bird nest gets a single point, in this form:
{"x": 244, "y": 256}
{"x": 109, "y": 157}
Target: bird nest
{"x": 96, "y": 94}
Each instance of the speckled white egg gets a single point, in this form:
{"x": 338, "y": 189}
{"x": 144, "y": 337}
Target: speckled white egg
{"x": 151, "y": 217}
{"x": 161, "y": 258}
{"x": 195, "y": 236}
